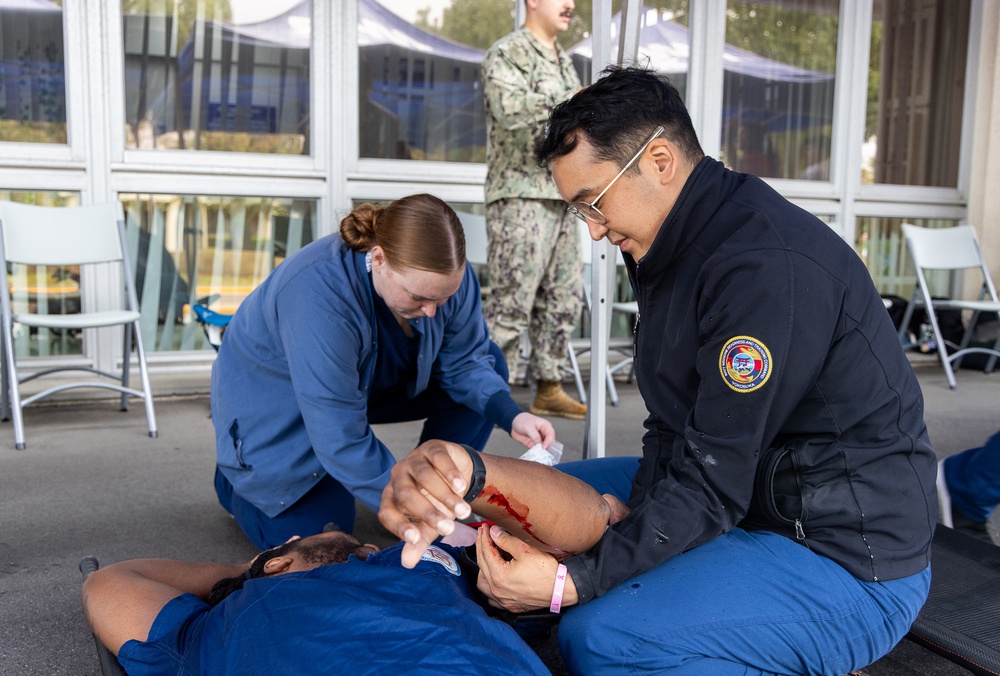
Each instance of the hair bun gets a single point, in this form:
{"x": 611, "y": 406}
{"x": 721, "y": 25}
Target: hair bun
{"x": 357, "y": 229}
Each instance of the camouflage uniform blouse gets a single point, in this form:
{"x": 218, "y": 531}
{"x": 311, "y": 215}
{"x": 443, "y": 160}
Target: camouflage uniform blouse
{"x": 522, "y": 80}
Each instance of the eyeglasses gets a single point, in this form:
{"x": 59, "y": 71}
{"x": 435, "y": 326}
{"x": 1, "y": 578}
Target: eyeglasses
{"x": 588, "y": 210}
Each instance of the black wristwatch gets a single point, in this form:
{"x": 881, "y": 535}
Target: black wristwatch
{"x": 478, "y": 474}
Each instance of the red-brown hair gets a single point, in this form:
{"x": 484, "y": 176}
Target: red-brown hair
{"x": 418, "y": 231}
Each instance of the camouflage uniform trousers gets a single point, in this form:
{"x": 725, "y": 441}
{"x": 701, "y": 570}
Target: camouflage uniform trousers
{"x": 536, "y": 281}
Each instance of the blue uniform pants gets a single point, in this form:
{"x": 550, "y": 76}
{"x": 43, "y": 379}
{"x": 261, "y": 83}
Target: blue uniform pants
{"x": 328, "y": 500}
{"x": 973, "y": 479}
{"x": 747, "y": 602}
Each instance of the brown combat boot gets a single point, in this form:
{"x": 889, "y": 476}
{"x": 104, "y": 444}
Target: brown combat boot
{"x": 551, "y": 399}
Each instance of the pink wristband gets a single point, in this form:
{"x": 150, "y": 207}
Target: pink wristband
{"x": 557, "y": 591}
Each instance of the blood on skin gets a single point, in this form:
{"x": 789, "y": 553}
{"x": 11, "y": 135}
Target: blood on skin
{"x": 514, "y": 508}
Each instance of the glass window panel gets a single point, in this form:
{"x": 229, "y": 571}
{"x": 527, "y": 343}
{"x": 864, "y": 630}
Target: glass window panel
{"x": 780, "y": 63}
{"x": 32, "y": 73}
{"x": 44, "y": 289}
{"x": 881, "y": 246}
{"x": 664, "y": 41}
{"x": 229, "y": 75}
{"x": 916, "y": 86}
{"x": 210, "y": 250}
{"x": 420, "y": 96}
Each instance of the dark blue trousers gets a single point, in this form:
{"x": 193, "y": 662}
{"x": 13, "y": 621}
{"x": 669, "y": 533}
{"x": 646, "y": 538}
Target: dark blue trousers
{"x": 746, "y": 603}
{"x": 973, "y": 479}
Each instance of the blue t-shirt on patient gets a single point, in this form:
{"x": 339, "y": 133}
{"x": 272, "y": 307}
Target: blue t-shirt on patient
{"x": 360, "y": 617}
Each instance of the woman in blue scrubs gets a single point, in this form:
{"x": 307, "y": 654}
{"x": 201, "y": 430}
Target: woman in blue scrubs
{"x": 380, "y": 323}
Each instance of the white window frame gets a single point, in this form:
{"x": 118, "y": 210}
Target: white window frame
{"x": 95, "y": 163}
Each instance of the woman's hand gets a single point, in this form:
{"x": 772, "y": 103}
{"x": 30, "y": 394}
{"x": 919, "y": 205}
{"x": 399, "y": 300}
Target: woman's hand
{"x": 529, "y": 430}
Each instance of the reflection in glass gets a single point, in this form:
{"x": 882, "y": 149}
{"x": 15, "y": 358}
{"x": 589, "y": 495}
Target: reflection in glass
{"x": 43, "y": 289}
{"x": 664, "y": 41}
{"x": 208, "y": 250}
{"x": 780, "y": 60}
{"x": 32, "y": 73}
{"x": 916, "y": 86}
{"x": 881, "y": 246}
{"x": 420, "y": 92}
{"x": 229, "y": 75}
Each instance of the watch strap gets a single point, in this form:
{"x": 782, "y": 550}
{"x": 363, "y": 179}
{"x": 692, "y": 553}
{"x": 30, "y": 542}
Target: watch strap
{"x": 478, "y": 481}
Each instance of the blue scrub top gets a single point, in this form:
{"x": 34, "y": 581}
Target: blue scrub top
{"x": 360, "y": 617}
{"x": 291, "y": 383}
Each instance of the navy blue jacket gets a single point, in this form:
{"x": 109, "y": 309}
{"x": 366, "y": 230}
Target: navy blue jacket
{"x": 779, "y": 397}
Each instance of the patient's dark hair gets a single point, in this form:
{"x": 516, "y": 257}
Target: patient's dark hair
{"x": 318, "y": 553}
{"x": 228, "y": 585}
{"x": 418, "y": 231}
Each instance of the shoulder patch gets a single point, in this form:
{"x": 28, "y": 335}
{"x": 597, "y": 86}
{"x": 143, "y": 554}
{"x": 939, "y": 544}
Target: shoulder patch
{"x": 442, "y": 558}
{"x": 745, "y": 363}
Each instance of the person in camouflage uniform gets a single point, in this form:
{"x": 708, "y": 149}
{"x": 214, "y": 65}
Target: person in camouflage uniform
{"x": 533, "y": 245}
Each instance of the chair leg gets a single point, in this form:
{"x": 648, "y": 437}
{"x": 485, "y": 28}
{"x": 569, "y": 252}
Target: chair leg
{"x": 577, "y": 377}
{"x": 4, "y": 392}
{"x": 11, "y": 386}
{"x": 942, "y": 348}
{"x": 126, "y": 363}
{"x": 904, "y": 325}
{"x": 144, "y": 378}
{"x": 612, "y": 390}
{"x": 992, "y": 362}
{"x": 946, "y": 363}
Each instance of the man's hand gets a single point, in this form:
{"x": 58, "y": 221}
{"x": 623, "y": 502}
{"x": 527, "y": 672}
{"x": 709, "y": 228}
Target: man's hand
{"x": 529, "y": 430}
{"x": 524, "y": 582}
{"x": 424, "y": 496}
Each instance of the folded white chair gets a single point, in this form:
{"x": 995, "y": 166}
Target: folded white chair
{"x": 67, "y": 236}
{"x": 954, "y": 249}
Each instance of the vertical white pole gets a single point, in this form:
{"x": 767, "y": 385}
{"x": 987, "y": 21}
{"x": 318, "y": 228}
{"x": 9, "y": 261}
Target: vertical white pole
{"x": 604, "y": 262}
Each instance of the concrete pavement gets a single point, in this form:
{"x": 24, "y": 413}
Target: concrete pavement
{"x": 92, "y": 482}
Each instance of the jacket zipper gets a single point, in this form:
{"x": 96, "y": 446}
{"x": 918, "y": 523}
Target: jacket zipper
{"x": 638, "y": 314}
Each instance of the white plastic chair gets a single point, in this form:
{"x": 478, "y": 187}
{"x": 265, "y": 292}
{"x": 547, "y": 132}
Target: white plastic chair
{"x": 955, "y": 248}
{"x": 58, "y": 236}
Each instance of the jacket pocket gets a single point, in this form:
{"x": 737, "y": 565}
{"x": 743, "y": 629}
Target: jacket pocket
{"x": 234, "y": 434}
{"x": 777, "y": 493}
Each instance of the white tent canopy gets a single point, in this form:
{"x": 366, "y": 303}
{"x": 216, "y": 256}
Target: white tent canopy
{"x": 667, "y": 45}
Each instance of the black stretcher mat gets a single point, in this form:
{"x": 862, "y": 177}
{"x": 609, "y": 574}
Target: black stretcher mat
{"x": 961, "y": 619}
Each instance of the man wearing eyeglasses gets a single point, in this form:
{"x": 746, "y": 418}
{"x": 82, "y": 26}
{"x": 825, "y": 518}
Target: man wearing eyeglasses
{"x": 781, "y": 516}
{"x": 535, "y": 264}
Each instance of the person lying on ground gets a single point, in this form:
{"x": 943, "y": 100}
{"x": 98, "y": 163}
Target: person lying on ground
{"x": 314, "y": 603}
